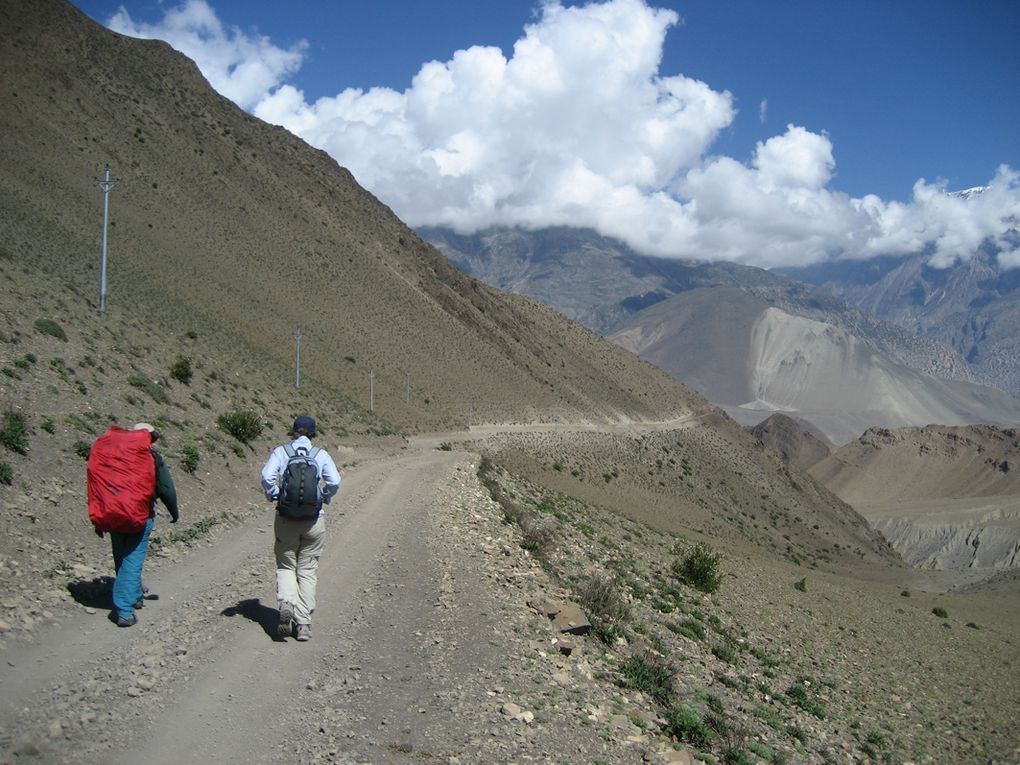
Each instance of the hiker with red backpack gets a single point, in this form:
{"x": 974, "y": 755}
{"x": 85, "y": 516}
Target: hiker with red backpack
{"x": 291, "y": 477}
{"x": 125, "y": 477}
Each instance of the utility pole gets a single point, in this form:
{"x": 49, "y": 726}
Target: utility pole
{"x": 407, "y": 388}
{"x": 371, "y": 391}
{"x": 297, "y": 363}
{"x": 105, "y": 184}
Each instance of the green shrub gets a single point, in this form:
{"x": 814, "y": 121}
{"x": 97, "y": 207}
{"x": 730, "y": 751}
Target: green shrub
{"x": 605, "y": 632}
{"x": 6, "y": 474}
{"x": 940, "y": 612}
{"x": 684, "y": 723}
{"x": 155, "y": 392}
{"x": 245, "y": 426}
{"x": 725, "y": 652}
{"x": 689, "y": 628}
{"x": 603, "y": 598}
{"x": 48, "y": 425}
{"x": 180, "y": 370}
{"x": 189, "y": 459}
{"x": 14, "y": 432}
{"x": 83, "y": 449}
{"x": 699, "y": 568}
{"x": 51, "y": 328}
{"x": 798, "y": 694}
{"x": 650, "y": 675}
{"x": 734, "y": 755}
{"x": 801, "y": 585}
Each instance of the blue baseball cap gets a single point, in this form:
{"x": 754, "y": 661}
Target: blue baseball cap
{"x": 303, "y": 426}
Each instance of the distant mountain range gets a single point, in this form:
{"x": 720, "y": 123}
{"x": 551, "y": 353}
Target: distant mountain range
{"x": 973, "y": 306}
{"x": 751, "y": 340}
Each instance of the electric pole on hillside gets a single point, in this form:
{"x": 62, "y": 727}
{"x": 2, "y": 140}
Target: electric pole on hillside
{"x": 105, "y": 184}
{"x": 371, "y": 391}
{"x": 297, "y": 362}
{"x": 407, "y": 388}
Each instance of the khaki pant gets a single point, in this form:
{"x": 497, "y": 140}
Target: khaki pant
{"x": 298, "y": 546}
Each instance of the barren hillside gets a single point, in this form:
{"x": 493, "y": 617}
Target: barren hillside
{"x": 755, "y": 358}
{"x": 236, "y": 230}
{"x": 794, "y": 442}
{"x": 946, "y": 498}
{"x": 913, "y": 464}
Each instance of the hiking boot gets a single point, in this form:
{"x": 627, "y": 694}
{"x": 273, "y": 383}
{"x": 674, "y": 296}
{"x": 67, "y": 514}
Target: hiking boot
{"x": 130, "y": 622}
{"x": 304, "y": 632}
{"x": 286, "y": 625}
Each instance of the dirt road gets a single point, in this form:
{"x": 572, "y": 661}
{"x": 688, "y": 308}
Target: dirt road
{"x": 420, "y": 639}
{"x": 200, "y": 678}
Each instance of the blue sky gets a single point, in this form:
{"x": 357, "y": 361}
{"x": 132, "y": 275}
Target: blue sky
{"x": 798, "y": 130}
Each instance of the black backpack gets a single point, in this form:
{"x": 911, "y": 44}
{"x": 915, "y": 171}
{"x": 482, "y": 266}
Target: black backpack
{"x": 299, "y": 486}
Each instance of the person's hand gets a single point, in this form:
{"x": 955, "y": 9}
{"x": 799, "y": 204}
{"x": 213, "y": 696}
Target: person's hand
{"x": 99, "y": 531}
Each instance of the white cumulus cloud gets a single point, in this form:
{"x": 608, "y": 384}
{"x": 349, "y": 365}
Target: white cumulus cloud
{"x": 578, "y": 126}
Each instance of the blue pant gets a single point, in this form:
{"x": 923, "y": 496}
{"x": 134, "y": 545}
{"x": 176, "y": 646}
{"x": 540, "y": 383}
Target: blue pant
{"x": 128, "y": 558}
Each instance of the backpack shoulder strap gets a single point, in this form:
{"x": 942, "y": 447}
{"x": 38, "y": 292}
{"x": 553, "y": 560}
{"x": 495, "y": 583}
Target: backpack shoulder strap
{"x": 289, "y": 450}
{"x": 315, "y": 450}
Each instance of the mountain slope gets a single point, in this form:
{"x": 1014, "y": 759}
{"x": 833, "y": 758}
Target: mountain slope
{"x": 707, "y": 324}
{"x": 236, "y": 230}
{"x": 946, "y": 498}
{"x": 791, "y": 440}
{"x": 973, "y": 306}
{"x": 602, "y": 283}
{"x": 754, "y": 358}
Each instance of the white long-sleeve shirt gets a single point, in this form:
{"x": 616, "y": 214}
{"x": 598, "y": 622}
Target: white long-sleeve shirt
{"x": 272, "y": 471}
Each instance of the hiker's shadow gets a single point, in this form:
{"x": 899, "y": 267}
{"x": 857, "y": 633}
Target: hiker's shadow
{"x": 93, "y": 593}
{"x": 264, "y": 616}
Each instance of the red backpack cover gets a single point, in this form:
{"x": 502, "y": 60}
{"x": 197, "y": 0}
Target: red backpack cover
{"x": 121, "y": 480}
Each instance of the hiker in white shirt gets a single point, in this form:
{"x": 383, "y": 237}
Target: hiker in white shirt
{"x": 308, "y": 478}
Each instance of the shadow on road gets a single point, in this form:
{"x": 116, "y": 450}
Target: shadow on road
{"x": 253, "y": 610}
{"x": 93, "y": 593}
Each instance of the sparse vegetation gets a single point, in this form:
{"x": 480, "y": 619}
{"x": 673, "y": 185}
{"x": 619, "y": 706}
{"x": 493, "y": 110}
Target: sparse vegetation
{"x": 181, "y": 370}
{"x": 25, "y": 361}
{"x": 604, "y": 598}
{"x": 698, "y": 567}
{"x": 244, "y": 425}
{"x": 940, "y": 612}
{"x": 83, "y": 449}
{"x": 648, "y": 674}
{"x": 799, "y": 694}
{"x": 685, "y": 723}
{"x": 14, "y": 432}
{"x": 153, "y": 389}
{"x": 189, "y": 459}
{"x": 189, "y": 535}
{"x": 51, "y": 328}
{"x": 801, "y": 584}
{"x": 6, "y": 474}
